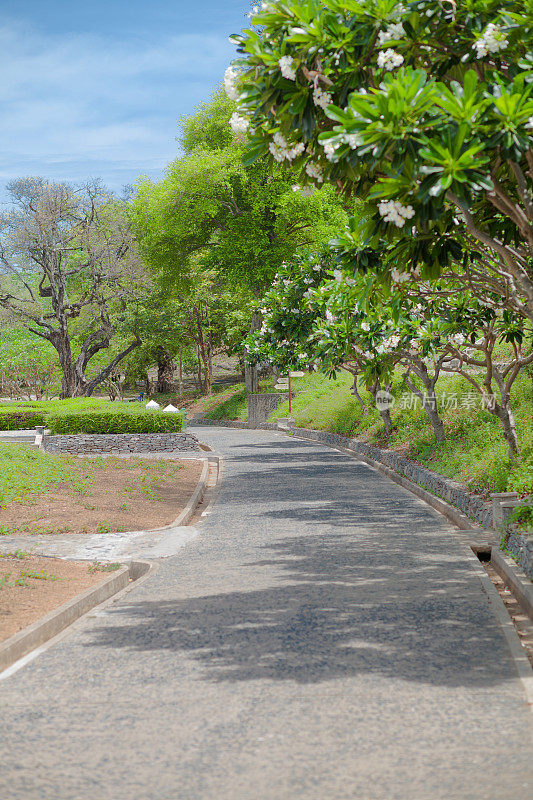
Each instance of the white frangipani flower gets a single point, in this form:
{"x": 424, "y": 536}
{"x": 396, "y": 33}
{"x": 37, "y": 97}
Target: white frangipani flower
{"x": 282, "y": 151}
{"x": 230, "y": 83}
{"x": 390, "y": 59}
{"x": 394, "y": 211}
{"x": 394, "y": 31}
{"x": 329, "y": 150}
{"x": 399, "y": 277}
{"x": 285, "y": 65}
{"x": 314, "y": 171}
{"x": 492, "y": 40}
{"x": 239, "y": 124}
{"x": 321, "y": 98}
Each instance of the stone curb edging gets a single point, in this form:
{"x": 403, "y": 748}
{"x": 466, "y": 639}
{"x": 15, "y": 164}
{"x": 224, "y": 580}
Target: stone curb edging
{"x": 516, "y": 580}
{"x": 196, "y": 498}
{"x": 39, "y": 632}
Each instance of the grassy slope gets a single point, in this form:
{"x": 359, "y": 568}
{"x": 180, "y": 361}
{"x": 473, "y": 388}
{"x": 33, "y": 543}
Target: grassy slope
{"x": 474, "y": 453}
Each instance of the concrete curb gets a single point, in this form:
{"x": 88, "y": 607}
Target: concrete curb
{"x": 39, "y": 632}
{"x": 520, "y": 659}
{"x": 196, "y": 498}
{"x": 516, "y": 580}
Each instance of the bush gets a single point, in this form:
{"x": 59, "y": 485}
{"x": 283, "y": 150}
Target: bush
{"x": 16, "y": 419}
{"x": 120, "y": 421}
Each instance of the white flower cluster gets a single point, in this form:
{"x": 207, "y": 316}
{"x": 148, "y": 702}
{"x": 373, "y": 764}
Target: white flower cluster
{"x": 321, "y": 98}
{"x": 329, "y": 150}
{"x": 529, "y": 123}
{"x": 230, "y": 83}
{"x": 387, "y": 345}
{"x": 492, "y": 41}
{"x": 394, "y": 211}
{"x": 285, "y": 65}
{"x": 314, "y": 171}
{"x": 399, "y": 277}
{"x": 281, "y": 150}
{"x": 351, "y": 140}
{"x": 394, "y": 31}
{"x": 239, "y": 125}
{"x": 389, "y": 59}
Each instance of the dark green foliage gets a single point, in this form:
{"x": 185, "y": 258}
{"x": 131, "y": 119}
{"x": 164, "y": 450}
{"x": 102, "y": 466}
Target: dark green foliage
{"x": 17, "y": 419}
{"x": 120, "y": 421}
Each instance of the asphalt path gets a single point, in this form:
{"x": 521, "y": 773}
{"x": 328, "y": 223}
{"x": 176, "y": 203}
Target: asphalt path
{"x": 324, "y": 637}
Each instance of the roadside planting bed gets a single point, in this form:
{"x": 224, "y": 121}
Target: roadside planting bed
{"x": 32, "y": 586}
{"x": 49, "y": 494}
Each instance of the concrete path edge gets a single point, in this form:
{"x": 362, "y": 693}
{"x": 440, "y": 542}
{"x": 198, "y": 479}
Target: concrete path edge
{"x": 39, "y": 632}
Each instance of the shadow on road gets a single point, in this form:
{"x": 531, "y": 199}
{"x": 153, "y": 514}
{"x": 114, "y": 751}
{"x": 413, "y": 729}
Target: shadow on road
{"x": 335, "y": 608}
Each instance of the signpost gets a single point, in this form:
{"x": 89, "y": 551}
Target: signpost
{"x": 285, "y": 385}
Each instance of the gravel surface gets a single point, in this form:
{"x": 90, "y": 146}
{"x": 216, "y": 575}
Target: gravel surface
{"x": 323, "y": 638}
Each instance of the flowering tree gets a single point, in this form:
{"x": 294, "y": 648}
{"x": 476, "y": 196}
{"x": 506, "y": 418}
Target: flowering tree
{"x": 316, "y": 317}
{"x": 424, "y": 108}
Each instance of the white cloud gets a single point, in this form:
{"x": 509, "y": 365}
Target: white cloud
{"x": 104, "y": 102}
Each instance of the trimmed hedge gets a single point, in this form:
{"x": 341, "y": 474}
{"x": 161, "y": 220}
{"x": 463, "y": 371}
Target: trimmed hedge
{"x": 120, "y": 421}
{"x": 17, "y": 419}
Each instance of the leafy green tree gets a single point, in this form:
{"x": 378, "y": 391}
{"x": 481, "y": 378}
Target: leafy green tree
{"x": 69, "y": 268}
{"x": 423, "y": 108}
{"x": 244, "y": 221}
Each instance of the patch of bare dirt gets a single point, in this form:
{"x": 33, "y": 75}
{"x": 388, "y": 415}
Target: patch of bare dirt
{"x": 107, "y": 495}
{"x": 32, "y": 586}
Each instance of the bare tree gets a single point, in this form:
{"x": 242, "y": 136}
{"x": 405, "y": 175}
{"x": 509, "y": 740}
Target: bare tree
{"x": 70, "y": 266}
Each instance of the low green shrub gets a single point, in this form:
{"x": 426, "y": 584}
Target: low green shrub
{"x": 119, "y": 421}
{"x": 17, "y": 419}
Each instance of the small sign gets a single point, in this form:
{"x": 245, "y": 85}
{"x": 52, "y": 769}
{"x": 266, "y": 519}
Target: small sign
{"x": 282, "y": 385}
{"x": 297, "y": 374}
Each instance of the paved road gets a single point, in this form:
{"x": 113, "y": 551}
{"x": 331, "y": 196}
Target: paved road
{"x": 323, "y": 638}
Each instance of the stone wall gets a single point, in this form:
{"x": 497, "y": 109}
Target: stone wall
{"x": 520, "y": 546}
{"x": 120, "y": 443}
{"x": 261, "y": 405}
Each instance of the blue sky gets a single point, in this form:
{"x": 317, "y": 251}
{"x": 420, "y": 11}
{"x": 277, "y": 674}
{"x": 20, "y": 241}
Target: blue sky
{"x": 95, "y": 89}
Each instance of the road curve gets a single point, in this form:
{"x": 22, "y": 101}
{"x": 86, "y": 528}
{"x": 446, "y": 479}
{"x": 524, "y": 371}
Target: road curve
{"x": 323, "y": 638}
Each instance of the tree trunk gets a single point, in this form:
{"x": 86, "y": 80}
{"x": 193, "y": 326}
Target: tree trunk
{"x": 355, "y": 392}
{"x": 429, "y": 401}
{"x": 251, "y": 374}
{"x": 384, "y": 410}
{"x": 180, "y": 375}
{"x": 507, "y": 420}
{"x": 165, "y": 371}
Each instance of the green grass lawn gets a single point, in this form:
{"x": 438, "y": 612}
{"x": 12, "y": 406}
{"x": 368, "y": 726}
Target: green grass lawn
{"x": 475, "y": 452}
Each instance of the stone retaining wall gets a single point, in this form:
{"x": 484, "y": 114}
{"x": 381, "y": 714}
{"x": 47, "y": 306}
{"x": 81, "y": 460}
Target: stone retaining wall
{"x": 120, "y": 443}
{"x": 261, "y": 405}
{"x": 521, "y": 548}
